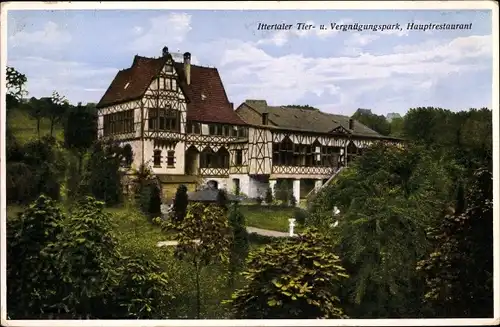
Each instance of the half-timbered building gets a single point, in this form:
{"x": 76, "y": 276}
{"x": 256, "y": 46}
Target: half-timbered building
{"x": 300, "y": 144}
{"x": 176, "y": 118}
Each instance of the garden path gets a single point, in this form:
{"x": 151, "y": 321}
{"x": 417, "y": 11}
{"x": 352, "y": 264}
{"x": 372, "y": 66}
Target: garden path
{"x": 260, "y": 231}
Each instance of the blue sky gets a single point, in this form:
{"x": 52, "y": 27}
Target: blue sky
{"x": 78, "y": 52}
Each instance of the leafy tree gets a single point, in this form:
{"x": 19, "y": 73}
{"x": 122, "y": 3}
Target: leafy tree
{"x": 387, "y": 199}
{"x": 269, "y": 196}
{"x": 459, "y": 272}
{"x": 147, "y": 192}
{"x": 102, "y": 177}
{"x": 240, "y": 242}
{"x": 80, "y": 131}
{"x": 204, "y": 237}
{"x": 70, "y": 267}
{"x": 180, "y": 203}
{"x": 378, "y": 123}
{"x": 38, "y": 109}
{"x": 297, "y": 278}
{"x": 397, "y": 127}
{"x": 34, "y": 168}
{"x": 16, "y": 91}
{"x": 57, "y": 109}
{"x": 29, "y": 291}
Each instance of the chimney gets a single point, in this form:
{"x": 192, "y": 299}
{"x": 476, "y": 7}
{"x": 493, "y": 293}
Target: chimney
{"x": 351, "y": 123}
{"x": 265, "y": 118}
{"x": 164, "y": 51}
{"x": 187, "y": 67}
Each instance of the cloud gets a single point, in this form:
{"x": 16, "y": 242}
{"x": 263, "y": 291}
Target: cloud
{"x": 52, "y": 35}
{"x": 79, "y": 82}
{"x": 250, "y": 72}
{"x": 173, "y": 27}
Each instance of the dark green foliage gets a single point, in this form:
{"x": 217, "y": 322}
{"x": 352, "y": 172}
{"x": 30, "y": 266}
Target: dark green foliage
{"x": 180, "y": 203}
{"x": 204, "y": 238}
{"x": 378, "y": 123}
{"x": 459, "y": 272}
{"x": 240, "y": 242}
{"x": 297, "y": 278}
{"x": 16, "y": 91}
{"x": 33, "y": 169}
{"x": 80, "y": 131}
{"x": 300, "y": 216}
{"x": 102, "y": 178}
{"x": 128, "y": 155}
{"x": 70, "y": 267}
{"x": 292, "y": 200}
{"x": 147, "y": 192}
{"x": 269, "y": 196}
{"x": 28, "y": 291}
{"x": 387, "y": 199}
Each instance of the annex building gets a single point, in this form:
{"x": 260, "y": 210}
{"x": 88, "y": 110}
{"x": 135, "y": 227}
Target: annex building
{"x": 178, "y": 120}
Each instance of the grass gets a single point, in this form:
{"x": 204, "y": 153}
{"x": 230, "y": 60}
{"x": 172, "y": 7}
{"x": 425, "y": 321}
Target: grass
{"x": 23, "y": 127}
{"x": 269, "y": 217}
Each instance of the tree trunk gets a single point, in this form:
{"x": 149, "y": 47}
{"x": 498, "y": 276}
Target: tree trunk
{"x": 198, "y": 291}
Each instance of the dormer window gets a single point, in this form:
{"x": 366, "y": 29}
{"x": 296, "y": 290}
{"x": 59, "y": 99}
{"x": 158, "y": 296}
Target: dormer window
{"x": 169, "y": 68}
{"x": 126, "y": 85}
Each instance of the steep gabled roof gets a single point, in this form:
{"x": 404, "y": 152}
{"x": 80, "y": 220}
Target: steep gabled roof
{"x": 207, "y": 98}
{"x": 309, "y": 119}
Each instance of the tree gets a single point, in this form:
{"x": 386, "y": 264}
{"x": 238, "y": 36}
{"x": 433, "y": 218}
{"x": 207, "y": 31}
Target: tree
{"x": 57, "y": 110}
{"x": 269, "y": 196}
{"x": 387, "y": 199}
{"x": 69, "y": 266}
{"x": 80, "y": 131}
{"x": 378, "y": 123}
{"x": 180, "y": 203}
{"x": 459, "y": 272}
{"x": 239, "y": 242}
{"x": 27, "y": 236}
{"x": 102, "y": 177}
{"x": 38, "y": 109}
{"x": 297, "y": 278}
{"x": 16, "y": 91}
{"x": 204, "y": 237}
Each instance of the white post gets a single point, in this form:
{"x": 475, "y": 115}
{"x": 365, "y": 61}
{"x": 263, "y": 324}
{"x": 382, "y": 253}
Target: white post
{"x": 292, "y": 225}
{"x": 296, "y": 190}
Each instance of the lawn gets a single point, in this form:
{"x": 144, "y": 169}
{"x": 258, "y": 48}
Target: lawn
{"x": 269, "y": 217}
{"x": 24, "y": 127}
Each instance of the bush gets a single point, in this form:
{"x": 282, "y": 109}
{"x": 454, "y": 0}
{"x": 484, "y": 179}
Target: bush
{"x": 297, "y": 278}
{"x": 300, "y": 216}
{"x": 269, "y": 196}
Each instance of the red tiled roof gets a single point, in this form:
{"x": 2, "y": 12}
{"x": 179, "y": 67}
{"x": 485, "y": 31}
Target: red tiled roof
{"x": 207, "y": 99}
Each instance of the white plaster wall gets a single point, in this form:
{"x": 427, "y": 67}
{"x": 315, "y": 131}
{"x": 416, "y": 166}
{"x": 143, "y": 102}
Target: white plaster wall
{"x": 179, "y": 158}
{"x": 244, "y": 182}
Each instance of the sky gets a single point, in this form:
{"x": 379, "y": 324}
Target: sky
{"x": 79, "y": 52}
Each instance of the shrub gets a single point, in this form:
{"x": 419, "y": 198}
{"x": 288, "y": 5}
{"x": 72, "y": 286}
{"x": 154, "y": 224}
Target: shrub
{"x": 300, "y": 216}
{"x": 269, "y": 196}
{"x": 296, "y": 278}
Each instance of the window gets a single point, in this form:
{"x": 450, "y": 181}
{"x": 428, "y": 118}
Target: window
{"x": 211, "y": 129}
{"x": 238, "y": 157}
{"x": 164, "y": 120}
{"x": 234, "y": 131}
{"x": 169, "y": 68}
{"x": 118, "y": 123}
{"x": 210, "y": 159}
{"x": 226, "y": 131}
{"x": 157, "y": 158}
{"x": 242, "y": 132}
{"x": 170, "y": 159}
{"x": 193, "y": 128}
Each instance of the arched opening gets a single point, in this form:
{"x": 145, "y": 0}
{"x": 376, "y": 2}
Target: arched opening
{"x": 128, "y": 155}
{"x": 213, "y": 184}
